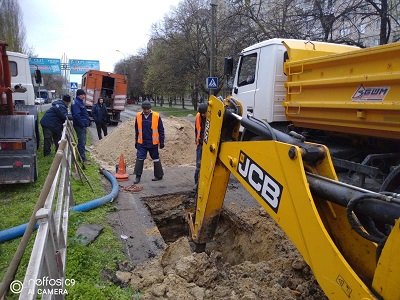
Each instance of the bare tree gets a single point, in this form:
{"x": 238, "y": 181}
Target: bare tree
{"x": 178, "y": 57}
{"x": 163, "y": 71}
{"x": 54, "y": 82}
{"x": 335, "y": 20}
{"x": 386, "y": 12}
{"x": 184, "y": 36}
{"x": 12, "y": 29}
{"x": 133, "y": 66}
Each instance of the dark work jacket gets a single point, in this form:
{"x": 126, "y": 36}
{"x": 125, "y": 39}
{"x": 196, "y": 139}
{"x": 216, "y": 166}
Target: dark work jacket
{"x": 99, "y": 113}
{"x": 80, "y": 114}
{"x": 147, "y": 131}
{"x": 55, "y": 116}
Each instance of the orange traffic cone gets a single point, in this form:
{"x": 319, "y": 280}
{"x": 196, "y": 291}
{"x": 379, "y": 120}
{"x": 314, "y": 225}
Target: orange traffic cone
{"x": 121, "y": 172}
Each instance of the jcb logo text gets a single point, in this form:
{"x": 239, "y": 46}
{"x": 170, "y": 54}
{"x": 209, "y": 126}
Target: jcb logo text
{"x": 266, "y": 187}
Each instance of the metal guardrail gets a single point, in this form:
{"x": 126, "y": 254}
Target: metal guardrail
{"x": 48, "y": 255}
{"x": 45, "y": 274}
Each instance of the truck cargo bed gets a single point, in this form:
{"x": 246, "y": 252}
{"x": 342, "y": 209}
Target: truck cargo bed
{"x": 354, "y": 92}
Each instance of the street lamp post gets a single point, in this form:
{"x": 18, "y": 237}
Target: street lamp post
{"x": 123, "y": 54}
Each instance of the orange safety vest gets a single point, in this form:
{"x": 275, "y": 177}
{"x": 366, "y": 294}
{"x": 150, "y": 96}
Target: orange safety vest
{"x": 198, "y": 128}
{"x": 154, "y": 126}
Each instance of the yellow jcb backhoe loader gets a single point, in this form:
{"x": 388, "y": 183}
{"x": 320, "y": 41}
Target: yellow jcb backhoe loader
{"x": 349, "y": 236}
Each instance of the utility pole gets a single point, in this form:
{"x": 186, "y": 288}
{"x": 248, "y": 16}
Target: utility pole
{"x": 212, "y": 46}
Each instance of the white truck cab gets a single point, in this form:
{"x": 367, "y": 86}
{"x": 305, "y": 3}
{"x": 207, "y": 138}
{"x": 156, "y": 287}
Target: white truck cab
{"x": 21, "y": 74}
{"x": 260, "y": 81}
{"x": 260, "y": 78}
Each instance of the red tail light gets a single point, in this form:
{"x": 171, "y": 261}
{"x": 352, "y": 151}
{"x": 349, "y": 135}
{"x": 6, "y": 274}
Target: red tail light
{"x": 18, "y": 164}
{"x": 7, "y": 146}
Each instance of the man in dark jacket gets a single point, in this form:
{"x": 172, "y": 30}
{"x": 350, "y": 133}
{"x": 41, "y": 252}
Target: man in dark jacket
{"x": 99, "y": 113}
{"x": 52, "y": 123}
{"x": 81, "y": 121}
{"x": 149, "y": 134}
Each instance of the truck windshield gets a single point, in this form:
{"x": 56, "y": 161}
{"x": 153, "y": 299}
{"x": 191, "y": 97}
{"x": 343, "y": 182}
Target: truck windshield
{"x": 247, "y": 69}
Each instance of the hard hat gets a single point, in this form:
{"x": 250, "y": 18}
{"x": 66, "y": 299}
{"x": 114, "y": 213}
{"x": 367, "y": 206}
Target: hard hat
{"x": 202, "y": 108}
{"x": 146, "y": 104}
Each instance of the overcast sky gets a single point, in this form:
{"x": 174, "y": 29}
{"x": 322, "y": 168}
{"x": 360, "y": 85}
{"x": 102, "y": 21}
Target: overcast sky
{"x": 91, "y": 29}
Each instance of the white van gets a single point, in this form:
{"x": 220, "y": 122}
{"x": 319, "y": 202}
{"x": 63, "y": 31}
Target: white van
{"x": 21, "y": 74}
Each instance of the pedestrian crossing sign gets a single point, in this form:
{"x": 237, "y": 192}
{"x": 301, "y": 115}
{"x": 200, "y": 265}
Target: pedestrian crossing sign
{"x": 212, "y": 82}
{"x": 74, "y": 85}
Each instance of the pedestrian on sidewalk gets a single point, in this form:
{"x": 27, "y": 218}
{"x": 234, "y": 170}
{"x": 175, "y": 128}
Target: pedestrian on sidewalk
{"x": 99, "y": 113}
{"x": 81, "y": 121}
{"x": 199, "y": 136}
{"x": 149, "y": 135}
{"x": 52, "y": 123}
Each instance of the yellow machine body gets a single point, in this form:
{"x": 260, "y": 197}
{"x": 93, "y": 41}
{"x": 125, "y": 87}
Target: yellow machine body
{"x": 344, "y": 264}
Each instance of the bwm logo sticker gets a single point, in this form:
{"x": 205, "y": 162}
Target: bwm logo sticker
{"x": 264, "y": 184}
{"x": 376, "y": 93}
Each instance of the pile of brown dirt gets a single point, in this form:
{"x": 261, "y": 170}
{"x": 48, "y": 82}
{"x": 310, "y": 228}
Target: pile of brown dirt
{"x": 264, "y": 270}
{"x": 180, "y": 148}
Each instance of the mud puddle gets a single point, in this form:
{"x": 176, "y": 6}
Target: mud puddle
{"x": 249, "y": 258}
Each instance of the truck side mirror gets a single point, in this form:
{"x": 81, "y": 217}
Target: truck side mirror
{"x": 38, "y": 77}
{"x": 228, "y": 66}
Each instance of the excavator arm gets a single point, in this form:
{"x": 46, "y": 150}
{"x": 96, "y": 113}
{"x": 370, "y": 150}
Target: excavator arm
{"x": 348, "y": 236}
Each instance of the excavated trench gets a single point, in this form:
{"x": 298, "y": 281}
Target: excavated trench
{"x": 249, "y": 257}
{"x": 168, "y": 212}
{"x": 234, "y": 237}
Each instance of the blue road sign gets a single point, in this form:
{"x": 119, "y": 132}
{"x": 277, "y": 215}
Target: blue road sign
{"x": 81, "y": 66}
{"x": 45, "y": 65}
{"x": 212, "y": 82}
{"x": 74, "y": 85}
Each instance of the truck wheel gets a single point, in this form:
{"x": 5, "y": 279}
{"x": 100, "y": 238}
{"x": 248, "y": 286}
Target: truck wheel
{"x": 392, "y": 181}
{"x": 117, "y": 118}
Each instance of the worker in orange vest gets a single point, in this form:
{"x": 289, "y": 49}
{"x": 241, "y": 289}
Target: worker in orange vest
{"x": 149, "y": 135}
{"x": 199, "y": 135}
